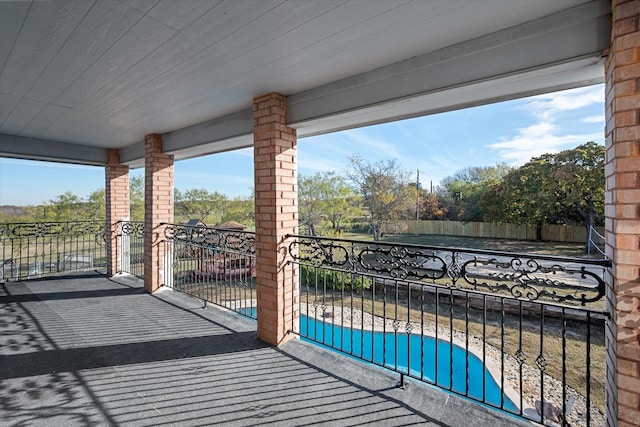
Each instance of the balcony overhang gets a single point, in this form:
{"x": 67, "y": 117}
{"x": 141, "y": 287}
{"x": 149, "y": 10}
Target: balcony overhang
{"x": 21, "y": 147}
{"x": 560, "y": 50}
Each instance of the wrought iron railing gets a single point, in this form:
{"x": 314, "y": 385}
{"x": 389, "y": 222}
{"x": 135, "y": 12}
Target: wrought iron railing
{"x": 39, "y": 249}
{"x": 131, "y": 247}
{"x": 520, "y": 332}
{"x": 215, "y": 265}
{"x": 595, "y": 242}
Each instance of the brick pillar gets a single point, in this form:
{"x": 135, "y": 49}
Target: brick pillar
{"x": 158, "y": 208}
{"x": 117, "y": 201}
{"x": 276, "y": 212}
{"x": 622, "y": 211}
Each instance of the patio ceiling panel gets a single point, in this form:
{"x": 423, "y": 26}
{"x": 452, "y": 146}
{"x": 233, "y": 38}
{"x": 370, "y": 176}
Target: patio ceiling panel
{"x": 105, "y": 73}
{"x": 75, "y": 58}
{"x": 579, "y": 37}
{"x": 42, "y": 31}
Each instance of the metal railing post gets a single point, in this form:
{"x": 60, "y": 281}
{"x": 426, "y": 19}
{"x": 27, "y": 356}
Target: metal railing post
{"x": 125, "y": 251}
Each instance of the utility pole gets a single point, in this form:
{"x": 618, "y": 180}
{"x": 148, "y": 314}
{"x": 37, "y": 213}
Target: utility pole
{"x": 418, "y": 195}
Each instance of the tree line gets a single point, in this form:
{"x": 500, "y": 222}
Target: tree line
{"x": 210, "y": 207}
{"x": 555, "y": 188}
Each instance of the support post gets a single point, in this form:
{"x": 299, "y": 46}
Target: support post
{"x": 276, "y": 213}
{"x": 158, "y": 209}
{"x": 622, "y": 215}
{"x": 117, "y": 208}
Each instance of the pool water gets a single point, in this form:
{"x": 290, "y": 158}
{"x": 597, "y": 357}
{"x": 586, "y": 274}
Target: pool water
{"x": 417, "y": 356}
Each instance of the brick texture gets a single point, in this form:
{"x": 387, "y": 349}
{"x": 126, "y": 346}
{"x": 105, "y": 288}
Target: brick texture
{"x": 276, "y": 209}
{"x": 158, "y": 209}
{"x": 622, "y": 224}
{"x": 117, "y": 202}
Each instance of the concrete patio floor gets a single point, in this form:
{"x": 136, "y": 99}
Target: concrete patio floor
{"x": 87, "y": 350}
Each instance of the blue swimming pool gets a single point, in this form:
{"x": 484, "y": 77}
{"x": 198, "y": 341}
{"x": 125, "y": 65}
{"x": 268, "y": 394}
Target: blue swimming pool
{"x": 415, "y": 355}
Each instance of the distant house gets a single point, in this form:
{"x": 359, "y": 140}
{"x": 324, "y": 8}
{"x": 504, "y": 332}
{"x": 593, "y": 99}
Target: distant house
{"x": 195, "y": 223}
{"x": 232, "y": 225}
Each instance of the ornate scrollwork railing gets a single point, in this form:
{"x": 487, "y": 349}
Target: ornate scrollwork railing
{"x": 38, "y": 249}
{"x": 215, "y": 265}
{"x": 212, "y": 238}
{"x": 131, "y": 242}
{"x": 44, "y": 229}
{"x": 132, "y": 228}
{"x": 523, "y": 276}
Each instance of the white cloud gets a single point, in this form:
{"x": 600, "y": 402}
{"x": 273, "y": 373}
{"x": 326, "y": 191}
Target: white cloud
{"x": 550, "y": 131}
{"x": 548, "y": 105}
{"x": 331, "y": 152}
{"x": 594, "y": 119}
{"x": 371, "y": 144}
{"x": 523, "y": 147}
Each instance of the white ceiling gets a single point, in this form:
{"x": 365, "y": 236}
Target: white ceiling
{"x": 77, "y": 77}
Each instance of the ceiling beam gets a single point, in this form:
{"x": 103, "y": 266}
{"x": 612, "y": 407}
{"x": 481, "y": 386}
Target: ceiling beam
{"x": 577, "y": 35}
{"x": 225, "y": 133}
{"x": 40, "y": 149}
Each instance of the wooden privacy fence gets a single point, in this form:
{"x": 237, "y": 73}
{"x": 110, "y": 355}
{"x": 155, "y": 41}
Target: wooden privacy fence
{"x": 551, "y": 233}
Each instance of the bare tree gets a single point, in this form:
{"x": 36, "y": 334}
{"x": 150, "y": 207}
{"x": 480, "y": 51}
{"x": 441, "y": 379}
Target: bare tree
{"x": 382, "y": 186}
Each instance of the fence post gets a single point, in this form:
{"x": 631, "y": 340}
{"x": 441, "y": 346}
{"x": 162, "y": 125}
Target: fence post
{"x": 125, "y": 250}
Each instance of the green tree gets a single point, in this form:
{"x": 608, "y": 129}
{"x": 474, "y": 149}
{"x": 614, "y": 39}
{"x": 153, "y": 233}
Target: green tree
{"x": 11, "y": 213}
{"x": 557, "y": 188}
{"x": 136, "y": 198}
{"x": 310, "y": 213}
{"x": 341, "y": 202}
{"x": 412, "y": 202}
{"x": 70, "y": 207}
{"x": 96, "y": 205}
{"x": 65, "y": 207}
{"x": 240, "y": 209}
{"x": 461, "y": 195}
{"x": 200, "y": 204}
{"x": 382, "y": 186}
{"x": 326, "y": 197}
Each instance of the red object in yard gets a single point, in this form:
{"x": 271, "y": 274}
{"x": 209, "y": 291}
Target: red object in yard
{"x": 226, "y": 267}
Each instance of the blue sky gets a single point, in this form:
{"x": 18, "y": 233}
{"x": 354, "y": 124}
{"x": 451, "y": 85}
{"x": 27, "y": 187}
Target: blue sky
{"x": 437, "y": 145}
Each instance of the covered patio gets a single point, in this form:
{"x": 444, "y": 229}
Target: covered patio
{"x": 145, "y": 83}
{"x": 76, "y": 355}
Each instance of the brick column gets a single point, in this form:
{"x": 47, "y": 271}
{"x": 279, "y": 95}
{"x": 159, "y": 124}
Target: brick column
{"x": 276, "y": 212}
{"x": 622, "y": 211}
{"x": 117, "y": 202}
{"x": 158, "y": 208}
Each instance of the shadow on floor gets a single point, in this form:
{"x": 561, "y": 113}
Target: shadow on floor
{"x": 90, "y": 350}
